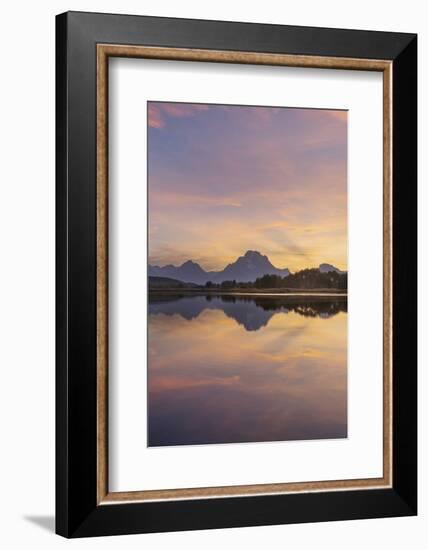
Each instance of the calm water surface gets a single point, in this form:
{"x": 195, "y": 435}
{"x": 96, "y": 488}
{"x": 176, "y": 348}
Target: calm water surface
{"x": 233, "y": 369}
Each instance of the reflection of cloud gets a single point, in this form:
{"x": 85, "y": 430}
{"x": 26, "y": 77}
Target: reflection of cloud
{"x": 212, "y": 381}
{"x": 165, "y": 383}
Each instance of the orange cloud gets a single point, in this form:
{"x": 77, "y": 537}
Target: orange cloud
{"x": 245, "y": 178}
{"x": 339, "y": 115}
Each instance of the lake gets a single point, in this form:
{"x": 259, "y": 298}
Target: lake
{"x": 235, "y": 369}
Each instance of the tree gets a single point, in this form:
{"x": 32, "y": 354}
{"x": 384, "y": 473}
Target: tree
{"x": 228, "y": 284}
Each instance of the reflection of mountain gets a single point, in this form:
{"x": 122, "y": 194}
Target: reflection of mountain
{"x": 251, "y": 312}
{"x": 246, "y": 268}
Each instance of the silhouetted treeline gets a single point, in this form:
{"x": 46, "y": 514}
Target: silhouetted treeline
{"x": 304, "y": 279}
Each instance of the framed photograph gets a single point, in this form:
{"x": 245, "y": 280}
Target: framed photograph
{"x": 236, "y": 274}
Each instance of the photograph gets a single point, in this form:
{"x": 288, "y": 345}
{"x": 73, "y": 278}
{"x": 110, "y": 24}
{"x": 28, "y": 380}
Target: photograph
{"x": 247, "y": 273}
{"x": 235, "y": 272}
{"x": 213, "y": 266}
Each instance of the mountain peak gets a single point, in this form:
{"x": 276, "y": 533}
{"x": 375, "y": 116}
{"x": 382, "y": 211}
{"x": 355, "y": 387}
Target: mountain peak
{"x": 252, "y": 254}
{"x": 190, "y": 267}
{"x": 327, "y": 268}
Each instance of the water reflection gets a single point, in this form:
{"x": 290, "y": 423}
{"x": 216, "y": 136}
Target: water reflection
{"x": 229, "y": 369}
{"x": 248, "y": 311}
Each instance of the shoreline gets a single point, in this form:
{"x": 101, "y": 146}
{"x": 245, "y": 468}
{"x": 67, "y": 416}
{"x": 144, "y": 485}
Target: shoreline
{"x": 268, "y": 292}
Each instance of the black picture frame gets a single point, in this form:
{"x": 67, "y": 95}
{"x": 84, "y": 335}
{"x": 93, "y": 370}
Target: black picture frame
{"x": 77, "y": 512}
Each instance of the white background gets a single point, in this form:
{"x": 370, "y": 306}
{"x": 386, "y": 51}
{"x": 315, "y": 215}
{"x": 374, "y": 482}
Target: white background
{"x": 132, "y": 83}
{"x": 27, "y": 274}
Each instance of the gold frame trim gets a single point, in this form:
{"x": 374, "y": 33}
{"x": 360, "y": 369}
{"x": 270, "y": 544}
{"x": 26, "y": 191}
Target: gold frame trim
{"x": 104, "y": 51}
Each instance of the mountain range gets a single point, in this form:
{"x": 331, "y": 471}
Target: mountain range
{"x": 246, "y": 268}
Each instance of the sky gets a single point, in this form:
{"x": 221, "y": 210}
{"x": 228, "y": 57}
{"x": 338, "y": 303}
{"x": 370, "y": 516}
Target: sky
{"x": 224, "y": 179}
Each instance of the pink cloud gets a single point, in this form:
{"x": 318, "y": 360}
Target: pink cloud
{"x": 170, "y": 198}
{"x": 158, "y": 113}
{"x": 154, "y": 117}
